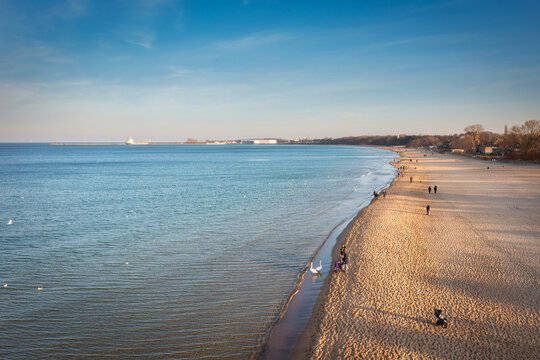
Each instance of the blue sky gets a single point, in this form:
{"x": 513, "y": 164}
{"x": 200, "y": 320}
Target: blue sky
{"x": 168, "y": 70}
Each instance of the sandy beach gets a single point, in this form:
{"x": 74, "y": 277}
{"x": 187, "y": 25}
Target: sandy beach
{"x": 476, "y": 257}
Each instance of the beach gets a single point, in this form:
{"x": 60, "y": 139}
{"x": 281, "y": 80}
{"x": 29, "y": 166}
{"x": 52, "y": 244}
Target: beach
{"x": 475, "y": 257}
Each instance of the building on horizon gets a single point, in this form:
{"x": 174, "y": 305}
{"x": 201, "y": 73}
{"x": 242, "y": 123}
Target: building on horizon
{"x": 260, "y": 141}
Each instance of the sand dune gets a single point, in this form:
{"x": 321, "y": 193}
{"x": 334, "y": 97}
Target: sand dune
{"x": 476, "y": 256}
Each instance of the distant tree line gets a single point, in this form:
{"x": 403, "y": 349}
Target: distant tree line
{"x": 522, "y": 141}
{"x": 370, "y": 140}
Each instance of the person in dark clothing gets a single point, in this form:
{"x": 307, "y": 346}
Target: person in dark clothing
{"x": 427, "y": 210}
{"x": 429, "y": 189}
{"x": 345, "y": 261}
{"x": 411, "y": 179}
{"x": 435, "y": 189}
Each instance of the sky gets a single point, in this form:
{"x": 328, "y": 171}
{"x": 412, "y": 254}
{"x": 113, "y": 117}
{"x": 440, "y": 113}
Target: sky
{"x": 164, "y": 70}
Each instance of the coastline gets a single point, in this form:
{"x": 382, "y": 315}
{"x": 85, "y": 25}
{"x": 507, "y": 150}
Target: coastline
{"x": 277, "y": 343}
{"x": 281, "y": 337}
{"x": 383, "y": 306}
{"x": 304, "y": 340}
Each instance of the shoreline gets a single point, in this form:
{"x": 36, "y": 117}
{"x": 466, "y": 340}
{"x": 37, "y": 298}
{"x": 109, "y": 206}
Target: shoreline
{"x": 274, "y": 348}
{"x": 404, "y": 264}
{"x": 304, "y": 339}
{"x": 297, "y": 352}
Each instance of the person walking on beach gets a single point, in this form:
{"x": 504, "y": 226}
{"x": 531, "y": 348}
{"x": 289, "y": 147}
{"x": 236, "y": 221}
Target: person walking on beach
{"x": 427, "y": 210}
{"x": 411, "y": 179}
{"x": 429, "y": 189}
{"x": 345, "y": 261}
{"x": 435, "y": 189}
{"x": 384, "y": 193}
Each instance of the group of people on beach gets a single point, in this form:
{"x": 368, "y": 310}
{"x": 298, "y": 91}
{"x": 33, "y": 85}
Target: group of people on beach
{"x": 343, "y": 262}
{"x": 401, "y": 169}
{"x": 428, "y": 207}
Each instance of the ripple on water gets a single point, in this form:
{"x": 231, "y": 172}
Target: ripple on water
{"x": 196, "y": 270}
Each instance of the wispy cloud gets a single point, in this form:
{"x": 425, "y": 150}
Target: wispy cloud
{"x": 144, "y": 40}
{"x": 436, "y": 5}
{"x": 36, "y": 50}
{"x": 59, "y": 59}
{"x": 118, "y": 58}
{"x": 157, "y": 3}
{"x": 176, "y": 71}
{"x": 70, "y": 9}
{"x": 251, "y": 41}
{"x": 418, "y": 40}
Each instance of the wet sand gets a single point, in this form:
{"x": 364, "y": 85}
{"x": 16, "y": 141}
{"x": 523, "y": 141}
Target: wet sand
{"x": 476, "y": 257}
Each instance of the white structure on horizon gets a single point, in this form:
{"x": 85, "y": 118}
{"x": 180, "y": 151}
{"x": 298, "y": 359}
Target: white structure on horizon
{"x": 129, "y": 141}
{"x": 261, "y": 141}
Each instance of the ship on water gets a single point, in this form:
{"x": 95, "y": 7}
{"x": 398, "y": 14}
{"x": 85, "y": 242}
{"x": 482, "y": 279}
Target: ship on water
{"x": 130, "y": 141}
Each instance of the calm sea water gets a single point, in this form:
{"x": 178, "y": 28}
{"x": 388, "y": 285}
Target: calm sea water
{"x": 156, "y": 251}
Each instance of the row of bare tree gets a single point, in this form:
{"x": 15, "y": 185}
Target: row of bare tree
{"x": 525, "y": 137}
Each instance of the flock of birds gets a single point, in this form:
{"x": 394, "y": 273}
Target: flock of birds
{"x": 10, "y": 222}
{"x": 40, "y": 288}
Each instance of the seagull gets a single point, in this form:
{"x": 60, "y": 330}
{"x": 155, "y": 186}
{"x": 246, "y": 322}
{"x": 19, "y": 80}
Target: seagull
{"x": 40, "y": 288}
{"x": 5, "y": 286}
{"x": 10, "y": 222}
{"x": 126, "y": 263}
{"x": 315, "y": 271}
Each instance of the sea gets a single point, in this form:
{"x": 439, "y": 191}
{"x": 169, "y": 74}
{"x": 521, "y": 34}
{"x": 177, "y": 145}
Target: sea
{"x": 156, "y": 251}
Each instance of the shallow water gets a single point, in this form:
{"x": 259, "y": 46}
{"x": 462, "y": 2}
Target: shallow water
{"x": 214, "y": 238}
